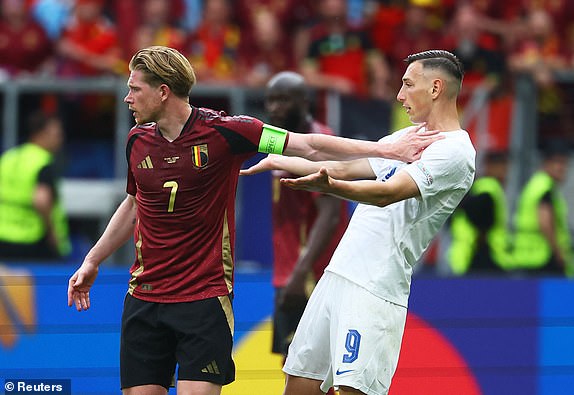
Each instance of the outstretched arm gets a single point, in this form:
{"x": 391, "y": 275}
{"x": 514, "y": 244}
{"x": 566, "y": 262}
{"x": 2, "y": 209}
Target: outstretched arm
{"x": 319, "y": 147}
{"x": 345, "y": 170}
{"x": 399, "y": 187}
{"x": 119, "y": 230}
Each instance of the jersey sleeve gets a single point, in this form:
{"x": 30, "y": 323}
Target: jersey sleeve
{"x": 383, "y": 167}
{"x": 248, "y": 135}
{"x": 242, "y": 133}
{"x": 131, "y": 187}
{"x": 442, "y": 166}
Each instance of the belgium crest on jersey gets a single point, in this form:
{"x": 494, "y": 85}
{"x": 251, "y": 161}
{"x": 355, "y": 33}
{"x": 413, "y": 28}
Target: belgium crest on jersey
{"x": 199, "y": 155}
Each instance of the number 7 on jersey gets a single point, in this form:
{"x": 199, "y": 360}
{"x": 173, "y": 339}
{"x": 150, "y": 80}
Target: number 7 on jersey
{"x": 173, "y": 185}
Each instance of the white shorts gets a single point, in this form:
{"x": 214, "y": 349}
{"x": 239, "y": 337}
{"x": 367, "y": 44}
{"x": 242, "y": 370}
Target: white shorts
{"x": 347, "y": 337}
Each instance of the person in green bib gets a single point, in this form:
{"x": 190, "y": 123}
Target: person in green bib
{"x": 33, "y": 224}
{"x": 480, "y": 241}
{"x": 542, "y": 240}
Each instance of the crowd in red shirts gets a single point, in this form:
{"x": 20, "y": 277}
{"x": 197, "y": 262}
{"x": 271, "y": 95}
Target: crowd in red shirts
{"x": 234, "y": 40}
{"x": 245, "y": 42}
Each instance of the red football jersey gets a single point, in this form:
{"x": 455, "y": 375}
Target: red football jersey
{"x": 294, "y": 213}
{"x": 185, "y": 192}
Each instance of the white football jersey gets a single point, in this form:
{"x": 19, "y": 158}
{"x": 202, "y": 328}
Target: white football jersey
{"x": 382, "y": 244}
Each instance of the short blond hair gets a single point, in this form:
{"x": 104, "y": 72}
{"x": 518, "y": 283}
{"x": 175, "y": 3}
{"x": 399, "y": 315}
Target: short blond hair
{"x": 164, "y": 65}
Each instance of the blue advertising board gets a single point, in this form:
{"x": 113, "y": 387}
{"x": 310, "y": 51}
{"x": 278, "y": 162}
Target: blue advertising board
{"x": 464, "y": 336}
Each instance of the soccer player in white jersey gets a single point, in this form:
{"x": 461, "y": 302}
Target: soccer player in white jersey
{"x": 351, "y": 332}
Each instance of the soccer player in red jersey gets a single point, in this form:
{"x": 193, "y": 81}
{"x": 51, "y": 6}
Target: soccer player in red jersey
{"x": 307, "y": 226}
{"x": 183, "y": 167}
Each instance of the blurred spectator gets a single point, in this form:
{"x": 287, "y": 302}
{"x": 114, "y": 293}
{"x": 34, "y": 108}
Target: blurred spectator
{"x": 480, "y": 239}
{"x": 89, "y": 44}
{"x": 265, "y": 53}
{"x": 24, "y": 46}
{"x": 480, "y": 52}
{"x": 334, "y": 46}
{"x": 539, "y": 55}
{"x": 386, "y": 17}
{"x": 487, "y": 95}
{"x": 213, "y": 48}
{"x": 539, "y": 50}
{"x": 126, "y": 23}
{"x": 156, "y": 27}
{"x": 193, "y": 10}
{"x": 88, "y": 48}
{"x": 25, "y": 51}
{"x": 413, "y": 35}
{"x": 342, "y": 59}
{"x": 52, "y": 15}
{"x": 542, "y": 242}
{"x": 292, "y": 16}
{"x": 496, "y": 20}
{"x": 128, "y": 16}
{"x": 384, "y": 22}
{"x": 560, "y": 11}
{"x": 33, "y": 224}
{"x": 358, "y": 11}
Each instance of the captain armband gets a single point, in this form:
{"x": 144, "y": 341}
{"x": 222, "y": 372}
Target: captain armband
{"x": 272, "y": 139}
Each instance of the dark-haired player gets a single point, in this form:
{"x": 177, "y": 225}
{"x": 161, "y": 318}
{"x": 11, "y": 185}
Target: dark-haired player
{"x": 351, "y": 331}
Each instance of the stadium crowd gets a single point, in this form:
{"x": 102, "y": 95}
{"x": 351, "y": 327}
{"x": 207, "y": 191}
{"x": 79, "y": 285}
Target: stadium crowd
{"x": 244, "y": 43}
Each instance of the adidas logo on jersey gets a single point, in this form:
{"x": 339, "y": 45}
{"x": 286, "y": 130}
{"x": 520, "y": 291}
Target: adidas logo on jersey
{"x": 146, "y": 163}
{"x": 211, "y": 368}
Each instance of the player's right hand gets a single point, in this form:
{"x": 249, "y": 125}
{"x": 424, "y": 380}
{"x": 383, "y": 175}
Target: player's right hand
{"x": 410, "y": 146}
{"x": 79, "y": 286}
{"x": 293, "y": 296}
{"x": 264, "y": 164}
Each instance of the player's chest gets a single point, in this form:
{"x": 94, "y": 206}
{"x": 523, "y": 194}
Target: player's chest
{"x": 190, "y": 163}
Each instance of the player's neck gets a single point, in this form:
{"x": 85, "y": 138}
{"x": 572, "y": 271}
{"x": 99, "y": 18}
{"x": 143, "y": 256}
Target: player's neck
{"x": 172, "y": 123}
{"x": 446, "y": 120}
{"x": 444, "y": 125}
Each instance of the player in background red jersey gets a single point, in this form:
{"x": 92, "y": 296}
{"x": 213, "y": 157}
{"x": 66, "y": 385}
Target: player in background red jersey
{"x": 307, "y": 226}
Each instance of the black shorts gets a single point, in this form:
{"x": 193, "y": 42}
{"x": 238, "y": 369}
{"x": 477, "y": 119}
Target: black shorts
{"x": 284, "y": 324}
{"x": 195, "y": 336}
